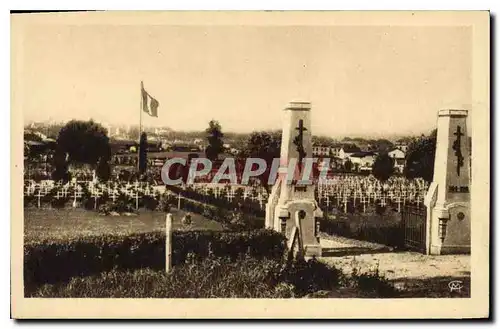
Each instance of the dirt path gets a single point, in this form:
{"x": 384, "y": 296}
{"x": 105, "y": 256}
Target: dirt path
{"x": 409, "y": 271}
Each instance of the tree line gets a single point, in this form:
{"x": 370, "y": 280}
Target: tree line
{"x": 86, "y": 142}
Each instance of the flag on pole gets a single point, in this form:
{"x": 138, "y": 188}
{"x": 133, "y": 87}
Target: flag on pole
{"x": 149, "y": 104}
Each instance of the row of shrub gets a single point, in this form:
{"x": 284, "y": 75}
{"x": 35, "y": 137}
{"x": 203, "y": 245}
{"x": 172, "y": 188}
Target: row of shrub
{"x": 231, "y": 218}
{"x": 54, "y": 261}
{"x": 220, "y": 278}
{"x": 247, "y": 206}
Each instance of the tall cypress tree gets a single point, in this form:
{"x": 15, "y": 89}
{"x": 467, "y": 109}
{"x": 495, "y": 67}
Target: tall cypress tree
{"x": 143, "y": 153}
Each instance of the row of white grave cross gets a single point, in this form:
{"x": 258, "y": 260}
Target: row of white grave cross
{"x": 338, "y": 192}
{"x": 368, "y": 190}
{"x": 229, "y": 192}
{"x": 75, "y": 190}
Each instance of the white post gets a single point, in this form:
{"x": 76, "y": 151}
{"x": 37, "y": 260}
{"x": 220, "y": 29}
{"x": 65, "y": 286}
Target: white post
{"x": 39, "y": 195}
{"x": 179, "y": 201}
{"x": 168, "y": 244}
{"x": 74, "y": 199}
{"x": 136, "y": 199}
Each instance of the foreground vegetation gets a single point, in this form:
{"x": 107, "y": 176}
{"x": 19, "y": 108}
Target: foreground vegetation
{"x": 51, "y": 261}
{"x": 216, "y": 277}
{"x": 207, "y": 264}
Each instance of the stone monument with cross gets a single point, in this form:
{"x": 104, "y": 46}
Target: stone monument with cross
{"x": 291, "y": 207}
{"x": 448, "y": 197}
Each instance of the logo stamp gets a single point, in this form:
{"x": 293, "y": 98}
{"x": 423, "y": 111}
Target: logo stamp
{"x": 455, "y": 285}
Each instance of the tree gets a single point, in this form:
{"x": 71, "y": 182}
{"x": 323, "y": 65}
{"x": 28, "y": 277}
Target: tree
{"x": 214, "y": 137}
{"x": 383, "y": 145}
{"x": 81, "y": 142}
{"x": 61, "y": 168}
{"x": 30, "y": 136}
{"x": 348, "y": 165}
{"x": 143, "y": 153}
{"x": 103, "y": 169}
{"x": 356, "y": 167}
{"x": 420, "y": 157}
{"x": 133, "y": 133}
{"x": 383, "y": 167}
{"x": 263, "y": 145}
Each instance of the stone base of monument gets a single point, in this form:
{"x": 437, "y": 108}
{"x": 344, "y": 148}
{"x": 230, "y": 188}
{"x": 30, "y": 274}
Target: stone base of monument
{"x": 299, "y": 222}
{"x": 449, "y": 225}
{"x": 450, "y": 250}
{"x": 452, "y": 225}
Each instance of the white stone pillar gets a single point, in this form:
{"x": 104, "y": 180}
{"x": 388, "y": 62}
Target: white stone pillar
{"x": 448, "y": 199}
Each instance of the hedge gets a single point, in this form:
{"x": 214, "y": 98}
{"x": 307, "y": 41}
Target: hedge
{"x": 55, "y": 261}
{"x": 390, "y": 235}
{"x": 246, "y": 206}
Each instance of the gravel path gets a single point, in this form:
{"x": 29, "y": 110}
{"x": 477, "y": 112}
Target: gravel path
{"x": 407, "y": 270}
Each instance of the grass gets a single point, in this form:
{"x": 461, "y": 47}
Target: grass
{"x": 220, "y": 278}
{"x": 384, "y": 229}
{"x": 205, "y": 280}
{"x": 56, "y": 224}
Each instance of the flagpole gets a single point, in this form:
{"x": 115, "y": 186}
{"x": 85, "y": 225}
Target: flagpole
{"x": 140, "y": 129}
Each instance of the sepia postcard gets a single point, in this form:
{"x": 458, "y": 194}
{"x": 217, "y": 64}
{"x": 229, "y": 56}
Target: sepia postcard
{"x": 259, "y": 165}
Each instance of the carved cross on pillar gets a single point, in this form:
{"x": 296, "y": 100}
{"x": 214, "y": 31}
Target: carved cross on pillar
{"x": 457, "y": 147}
{"x": 299, "y": 142}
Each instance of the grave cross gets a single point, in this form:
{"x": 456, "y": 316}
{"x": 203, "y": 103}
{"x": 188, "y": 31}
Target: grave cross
{"x": 40, "y": 194}
{"x": 398, "y": 201}
{"x": 230, "y": 195}
{"x": 364, "y": 202}
{"x": 136, "y": 196}
{"x": 418, "y": 201}
{"x": 96, "y": 194}
{"x": 113, "y": 194}
{"x": 59, "y": 194}
{"x": 259, "y": 197}
{"x": 383, "y": 203}
{"x": 28, "y": 190}
{"x": 77, "y": 194}
{"x": 344, "y": 202}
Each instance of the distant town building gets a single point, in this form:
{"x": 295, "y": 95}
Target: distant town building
{"x": 347, "y": 150}
{"x": 399, "y": 157}
{"x": 402, "y": 146}
{"x": 321, "y": 150}
{"x": 399, "y": 165}
{"x": 363, "y": 161}
{"x": 397, "y": 153}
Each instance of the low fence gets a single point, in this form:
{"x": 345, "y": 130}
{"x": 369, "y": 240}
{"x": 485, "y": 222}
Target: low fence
{"x": 414, "y": 225}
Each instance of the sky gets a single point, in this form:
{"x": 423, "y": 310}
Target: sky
{"x": 361, "y": 80}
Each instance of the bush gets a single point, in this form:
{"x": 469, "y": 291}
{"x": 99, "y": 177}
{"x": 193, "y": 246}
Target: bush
{"x": 149, "y": 202}
{"x": 59, "y": 202}
{"x": 373, "y": 284}
{"x": 163, "y": 204}
{"x": 30, "y": 201}
{"x": 310, "y": 276}
{"x": 53, "y": 261}
{"x": 106, "y": 208}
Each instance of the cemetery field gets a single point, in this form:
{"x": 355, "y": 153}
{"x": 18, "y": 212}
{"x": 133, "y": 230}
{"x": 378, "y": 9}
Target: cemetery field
{"x": 56, "y": 224}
